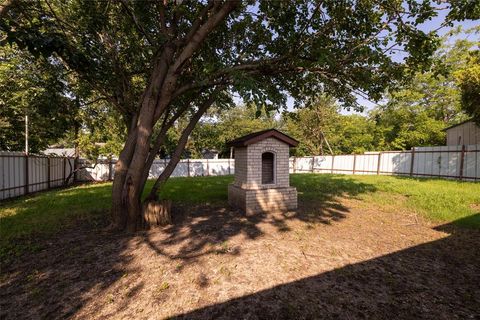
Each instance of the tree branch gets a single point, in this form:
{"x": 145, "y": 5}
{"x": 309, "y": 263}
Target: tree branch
{"x": 159, "y": 141}
{"x": 201, "y": 17}
{"x": 135, "y": 21}
{"x": 181, "y": 143}
{"x": 199, "y": 36}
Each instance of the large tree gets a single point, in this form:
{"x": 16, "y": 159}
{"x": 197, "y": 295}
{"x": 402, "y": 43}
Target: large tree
{"x": 156, "y": 61}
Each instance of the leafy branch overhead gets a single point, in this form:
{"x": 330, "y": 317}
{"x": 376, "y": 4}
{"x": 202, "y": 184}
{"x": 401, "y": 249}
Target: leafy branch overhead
{"x": 264, "y": 50}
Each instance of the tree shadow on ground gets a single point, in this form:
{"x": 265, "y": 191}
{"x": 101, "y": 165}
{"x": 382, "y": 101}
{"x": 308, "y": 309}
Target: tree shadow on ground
{"x": 52, "y": 283}
{"x": 197, "y": 229}
{"x": 434, "y": 280}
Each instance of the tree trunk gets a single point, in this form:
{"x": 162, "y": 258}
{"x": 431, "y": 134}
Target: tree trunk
{"x": 131, "y": 171}
{"x": 127, "y": 189}
{"x": 128, "y": 212}
{"x": 119, "y": 209}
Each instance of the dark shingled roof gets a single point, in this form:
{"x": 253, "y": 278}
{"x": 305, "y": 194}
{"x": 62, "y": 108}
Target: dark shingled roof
{"x": 261, "y": 135}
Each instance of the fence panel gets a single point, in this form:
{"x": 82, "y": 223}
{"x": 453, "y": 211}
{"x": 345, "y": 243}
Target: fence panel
{"x": 366, "y": 163}
{"x": 471, "y": 164}
{"x": 323, "y": 164}
{"x": 395, "y": 162}
{"x": 101, "y": 171}
{"x": 343, "y": 164}
{"x": 19, "y": 176}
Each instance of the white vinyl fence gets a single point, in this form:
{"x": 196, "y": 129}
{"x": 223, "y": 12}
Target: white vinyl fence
{"x": 21, "y": 174}
{"x": 103, "y": 171}
{"x": 454, "y": 162}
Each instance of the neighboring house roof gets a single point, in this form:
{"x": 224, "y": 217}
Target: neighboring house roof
{"x": 210, "y": 154}
{"x": 210, "y": 150}
{"x": 458, "y": 124}
{"x": 261, "y": 135}
{"x": 66, "y": 152}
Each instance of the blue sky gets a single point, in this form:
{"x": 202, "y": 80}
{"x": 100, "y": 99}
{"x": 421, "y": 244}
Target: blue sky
{"x": 429, "y": 26}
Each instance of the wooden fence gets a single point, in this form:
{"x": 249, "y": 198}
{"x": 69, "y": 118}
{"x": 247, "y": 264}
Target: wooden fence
{"x": 22, "y": 174}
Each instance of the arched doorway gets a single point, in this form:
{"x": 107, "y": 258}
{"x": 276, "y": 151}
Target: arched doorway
{"x": 268, "y": 166}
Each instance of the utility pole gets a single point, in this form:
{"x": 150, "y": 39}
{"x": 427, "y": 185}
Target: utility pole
{"x": 26, "y": 134}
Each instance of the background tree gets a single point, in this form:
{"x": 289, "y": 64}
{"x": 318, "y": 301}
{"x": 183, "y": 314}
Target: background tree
{"x": 321, "y": 128}
{"x": 354, "y": 134}
{"x": 313, "y": 126}
{"x": 39, "y": 89}
{"x": 219, "y": 126}
{"x": 468, "y": 80}
{"x": 102, "y": 132}
{"x": 243, "y": 120}
{"x": 157, "y": 61}
{"x": 205, "y": 136}
{"x": 416, "y": 113}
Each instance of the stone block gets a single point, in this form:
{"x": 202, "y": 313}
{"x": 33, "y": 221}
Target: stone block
{"x": 253, "y": 201}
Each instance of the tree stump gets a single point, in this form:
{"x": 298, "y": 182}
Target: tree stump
{"x": 157, "y": 213}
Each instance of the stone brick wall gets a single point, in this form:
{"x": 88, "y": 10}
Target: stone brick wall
{"x": 240, "y": 166}
{"x": 270, "y": 200}
{"x": 262, "y": 200}
{"x": 248, "y": 193}
{"x": 248, "y": 164}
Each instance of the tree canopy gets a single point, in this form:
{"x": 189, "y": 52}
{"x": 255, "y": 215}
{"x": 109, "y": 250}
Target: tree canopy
{"x": 37, "y": 88}
{"x": 158, "y": 61}
{"x": 416, "y": 113}
{"x": 468, "y": 80}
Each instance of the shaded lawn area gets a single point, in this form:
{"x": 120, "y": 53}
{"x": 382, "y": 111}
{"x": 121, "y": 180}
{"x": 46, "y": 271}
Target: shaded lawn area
{"x": 436, "y": 199}
{"x": 358, "y": 247}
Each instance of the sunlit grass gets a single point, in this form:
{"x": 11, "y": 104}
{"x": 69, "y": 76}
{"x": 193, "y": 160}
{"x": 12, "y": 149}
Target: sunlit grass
{"x": 48, "y": 211}
{"x": 438, "y": 200}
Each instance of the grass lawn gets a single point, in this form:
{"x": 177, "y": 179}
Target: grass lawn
{"x": 436, "y": 199}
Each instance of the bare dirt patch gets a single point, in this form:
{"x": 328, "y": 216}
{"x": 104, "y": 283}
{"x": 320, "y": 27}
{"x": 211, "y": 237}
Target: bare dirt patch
{"x": 336, "y": 259}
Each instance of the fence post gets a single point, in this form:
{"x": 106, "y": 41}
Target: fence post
{"x": 354, "y": 162}
{"x": 208, "y": 169}
{"x": 378, "y": 162}
{"x": 188, "y": 167}
{"x": 64, "y": 167}
{"x": 294, "y": 164}
{"x": 26, "y": 174}
{"x": 333, "y": 163}
{"x": 48, "y": 172}
{"x": 462, "y": 160}
{"x": 313, "y": 163}
{"x": 75, "y": 166}
{"x": 412, "y": 161}
{"x": 110, "y": 169}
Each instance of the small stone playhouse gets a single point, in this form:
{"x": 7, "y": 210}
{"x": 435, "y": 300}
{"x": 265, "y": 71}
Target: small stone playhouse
{"x": 262, "y": 180}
